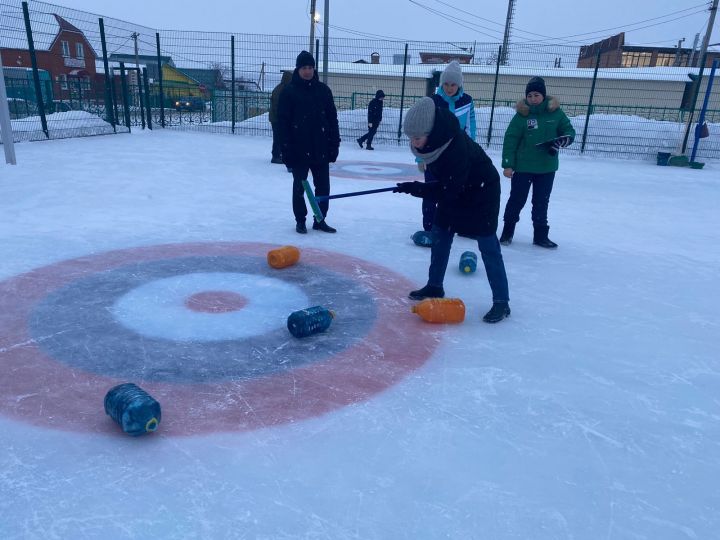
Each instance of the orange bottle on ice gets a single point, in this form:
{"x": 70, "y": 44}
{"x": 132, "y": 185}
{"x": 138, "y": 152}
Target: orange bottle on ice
{"x": 441, "y": 310}
{"x": 284, "y": 256}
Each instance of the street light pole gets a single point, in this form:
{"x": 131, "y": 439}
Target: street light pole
{"x": 312, "y": 26}
{"x": 326, "y": 31}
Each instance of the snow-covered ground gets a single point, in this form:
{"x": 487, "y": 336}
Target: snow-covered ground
{"x": 592, "y": 413}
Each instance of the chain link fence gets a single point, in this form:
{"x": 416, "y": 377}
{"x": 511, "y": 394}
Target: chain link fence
{"x": 71, "y": 73}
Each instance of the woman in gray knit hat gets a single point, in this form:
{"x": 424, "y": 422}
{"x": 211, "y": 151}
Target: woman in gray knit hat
{"x": 449, "y": 95}
{"x": 467, "y": 188}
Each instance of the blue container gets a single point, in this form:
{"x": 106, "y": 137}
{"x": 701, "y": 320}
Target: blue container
{"x": 422, "y": 238}
{"x": 133, "y": 408}
{"x": 468, "y": 262}
{"x": 309, "y": 321}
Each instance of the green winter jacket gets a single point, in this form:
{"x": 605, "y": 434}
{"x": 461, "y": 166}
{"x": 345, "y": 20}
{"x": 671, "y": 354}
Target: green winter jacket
{"x": 532, "y": 125}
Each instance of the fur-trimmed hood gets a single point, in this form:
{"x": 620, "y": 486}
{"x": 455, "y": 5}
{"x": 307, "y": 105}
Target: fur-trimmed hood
{"x": 523, "y": 108}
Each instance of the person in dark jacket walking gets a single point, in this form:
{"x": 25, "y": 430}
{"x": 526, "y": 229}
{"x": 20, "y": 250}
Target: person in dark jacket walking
{"x": 273, "y": 115}
{"x": 374, "y": 116}
{"x": 467, "y": 188}
{"x": 449, "y": 95}
{"x": 538, "y": 119}
{"x": 310, "y": 137}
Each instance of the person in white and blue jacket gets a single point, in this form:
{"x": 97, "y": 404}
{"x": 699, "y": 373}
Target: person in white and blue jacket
{"x": 451, "y": 96}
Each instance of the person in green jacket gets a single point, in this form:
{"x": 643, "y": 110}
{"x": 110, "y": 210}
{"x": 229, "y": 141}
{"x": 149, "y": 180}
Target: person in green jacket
{"x": 530, "y": 158}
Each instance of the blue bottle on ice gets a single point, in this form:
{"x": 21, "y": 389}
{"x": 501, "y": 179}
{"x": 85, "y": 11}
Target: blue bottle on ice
{"x": 133, "y": 408}
{"x": 468, "y": 262}
{"x": 309, "y": 321}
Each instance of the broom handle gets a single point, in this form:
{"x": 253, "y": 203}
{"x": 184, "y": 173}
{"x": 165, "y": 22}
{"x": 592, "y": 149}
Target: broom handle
{"x": 353, "y": 194}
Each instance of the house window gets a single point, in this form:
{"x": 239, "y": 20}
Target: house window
{"x": 62, "y": 79}
{"x": 79, "y": 50}
{"x": 65, "y": 48}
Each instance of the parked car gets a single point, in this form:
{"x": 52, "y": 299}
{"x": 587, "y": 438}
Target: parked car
{"x": 21, "y": 108}
{"x": 190, "y": 103}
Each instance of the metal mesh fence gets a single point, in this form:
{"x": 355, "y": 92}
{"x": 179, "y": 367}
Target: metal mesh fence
{"x": 221, "y": 82}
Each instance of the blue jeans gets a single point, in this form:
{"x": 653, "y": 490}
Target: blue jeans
{"x": 489, "y": 251}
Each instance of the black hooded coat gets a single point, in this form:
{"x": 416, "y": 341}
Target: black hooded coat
{"x": 307, "y": 117}
{"x": 468, "y": 184}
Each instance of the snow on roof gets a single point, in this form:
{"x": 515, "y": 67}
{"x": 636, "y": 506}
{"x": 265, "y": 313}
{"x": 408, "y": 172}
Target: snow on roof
{"x": 678, "y": 74}
{"x": 12, "y": 29}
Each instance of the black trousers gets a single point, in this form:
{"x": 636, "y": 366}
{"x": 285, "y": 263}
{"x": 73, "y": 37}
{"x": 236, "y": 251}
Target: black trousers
{"x": 276, "y": 141}
{"x": 520, "y": 183}
{"x": 429, "y": 205}
{"x": 370, "y": 134}
{"x": 321, "y": 181}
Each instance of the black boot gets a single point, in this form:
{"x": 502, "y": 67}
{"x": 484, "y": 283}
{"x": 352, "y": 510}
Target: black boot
{"x": 507, "y": 233}
{"x": 300, "y": 227}
{"x": 428, "y": 291}
{"x": 322, "y": 226}
{"x": 360, "y": 141}
{"x": 497, "y": 313}
{"x": 368, "y": 147}
{"x": 540, "y": 237}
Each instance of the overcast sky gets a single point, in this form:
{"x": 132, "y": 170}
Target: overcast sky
{"x": 572, "y": 22}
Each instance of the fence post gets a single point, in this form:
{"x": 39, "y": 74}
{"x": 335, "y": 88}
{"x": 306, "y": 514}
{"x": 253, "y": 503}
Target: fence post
{"x": 125, "y": 100}
{"x": 232, "y": 82}
{"x": 701, "y": 120}
{"x": 108, "y": 99}
{"x": 36, "y": 74}
{"x": 691, "y": 114}
{"x": 402, "y": 93}
{"x": 492, "y": 106}
{"x": 590, "y": 102}
{"x": 148, "y": 107}
{"x": 160, "y": 80}
{"x": 141, "y": 97}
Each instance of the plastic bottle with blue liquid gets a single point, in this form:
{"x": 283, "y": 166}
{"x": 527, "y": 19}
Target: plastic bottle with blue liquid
{"x": 312, "y": 320}
{"x": 134, "y": 409}
{"x": 468, "y": 262}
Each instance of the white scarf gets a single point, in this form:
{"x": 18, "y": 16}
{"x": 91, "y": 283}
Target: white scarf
{"x": 429, "y": 157}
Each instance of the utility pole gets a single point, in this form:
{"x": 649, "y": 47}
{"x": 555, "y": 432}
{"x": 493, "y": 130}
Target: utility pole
{"x": 135, "y": 37}
{"x": 506, "y": 37}
{"x": 708, "y": 32}
{"x": 678, "y": 54}
{"x": 5, "y": 125}
{"x": 312, "y": 27}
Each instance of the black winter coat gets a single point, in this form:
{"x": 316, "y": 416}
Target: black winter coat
{"x": 309, "y": 132}
{"x": 375, "y": 108}
{"x": 468, "y": 184}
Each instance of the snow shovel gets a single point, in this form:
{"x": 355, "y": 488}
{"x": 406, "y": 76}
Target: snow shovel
{"x": 313, "y": 200}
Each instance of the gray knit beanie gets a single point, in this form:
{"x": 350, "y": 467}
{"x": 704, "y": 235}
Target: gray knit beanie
{"x": 452, "y": 74}
{"x": 420, "y": 118}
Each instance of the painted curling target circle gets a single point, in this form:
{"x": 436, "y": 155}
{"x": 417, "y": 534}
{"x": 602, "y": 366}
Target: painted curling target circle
{"x": 202, "y": 328}
{"x": 375, "y": 170}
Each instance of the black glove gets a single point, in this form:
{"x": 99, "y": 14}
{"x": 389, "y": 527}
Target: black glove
{"x": 562, "y": 142}
{"x": 333, "y": 154}
{"x": 416, "y": 189}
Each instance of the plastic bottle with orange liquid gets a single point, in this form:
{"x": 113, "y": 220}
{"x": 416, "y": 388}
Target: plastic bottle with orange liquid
{"x": 283, "y": 257}
{"x": 440, "y": 310}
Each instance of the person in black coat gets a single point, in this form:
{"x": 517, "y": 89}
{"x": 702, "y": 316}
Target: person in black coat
{"x": 467, "y": 188}
{"x": 309, "y": 135}
{"x": 375, "y": 108}
{"x": 273, "y": 115}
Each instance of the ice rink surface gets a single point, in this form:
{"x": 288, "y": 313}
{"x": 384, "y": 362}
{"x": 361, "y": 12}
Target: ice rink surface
{"x": 593, "y": 412}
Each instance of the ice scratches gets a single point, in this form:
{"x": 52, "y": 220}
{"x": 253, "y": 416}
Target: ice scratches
{"x": 687, "y": 531}
{"x": 33, "y": 341}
